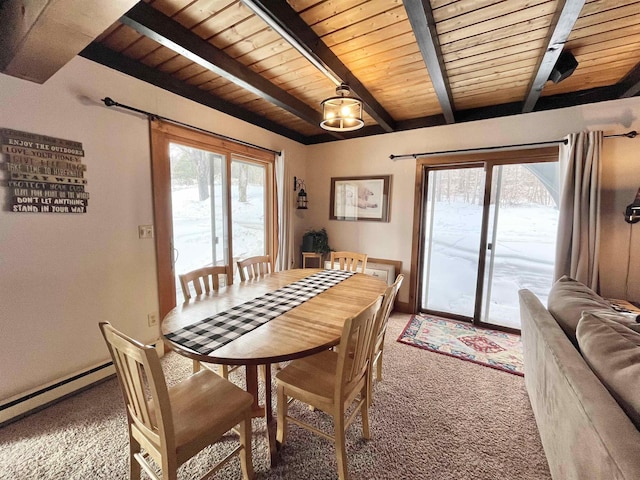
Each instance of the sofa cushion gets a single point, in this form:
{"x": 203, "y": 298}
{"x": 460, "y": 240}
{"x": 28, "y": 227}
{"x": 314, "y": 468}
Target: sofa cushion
{"x": 568, "y": 298}
{"x": 612, "y": 351}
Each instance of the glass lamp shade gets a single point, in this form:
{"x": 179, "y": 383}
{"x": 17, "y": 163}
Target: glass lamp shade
{"x": 302, "y": 199}
{"x": 342, "y": 113}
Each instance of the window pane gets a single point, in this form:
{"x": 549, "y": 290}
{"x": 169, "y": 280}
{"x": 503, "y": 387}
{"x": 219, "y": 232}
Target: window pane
{"x": 452, "y": 239}
{"x": 248, "y": 209}
{"x": 197, "y": 196}
{"x": 522, "y": 237}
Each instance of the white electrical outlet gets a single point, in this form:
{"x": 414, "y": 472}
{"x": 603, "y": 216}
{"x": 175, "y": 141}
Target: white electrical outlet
{"x": 145, "y": 231}
{"x": 152, "y": 319}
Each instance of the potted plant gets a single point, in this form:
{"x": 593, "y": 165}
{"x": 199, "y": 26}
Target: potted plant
{"x": 316, "y": 241}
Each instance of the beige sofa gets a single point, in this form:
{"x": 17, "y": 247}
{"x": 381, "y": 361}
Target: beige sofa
{"x": 585, "y": 432}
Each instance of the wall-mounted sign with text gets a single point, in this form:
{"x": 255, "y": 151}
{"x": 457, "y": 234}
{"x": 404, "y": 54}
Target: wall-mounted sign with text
{"x": 45, "y": 174}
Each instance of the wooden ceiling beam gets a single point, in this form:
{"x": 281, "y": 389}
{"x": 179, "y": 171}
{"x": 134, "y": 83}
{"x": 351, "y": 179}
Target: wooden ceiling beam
{"x": 630, "y": 84}
{"x": 551, "y": 102}
{"x": 424, "y": 29}
{"x": 153, "y": 24}
{"x": 560, "y": 28}
{"x": 39, "y": 37}
{"x": 109, "y": 58}
{"x": 285, "y": 20}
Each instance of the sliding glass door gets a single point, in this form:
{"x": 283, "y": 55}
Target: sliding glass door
{"x": 214, "y": 204}
{"x": 453, "y": 216}
{"x": 489, "y": 231}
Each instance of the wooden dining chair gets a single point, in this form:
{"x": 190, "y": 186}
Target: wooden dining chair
{"x": 173, "y": 424}
{"x": 332, "y": 381}
{"x": 204, "y": 279}
{"x": 377, "y": 347}
{"x": 254, "y": 267}
{"x": 349, "y": 261}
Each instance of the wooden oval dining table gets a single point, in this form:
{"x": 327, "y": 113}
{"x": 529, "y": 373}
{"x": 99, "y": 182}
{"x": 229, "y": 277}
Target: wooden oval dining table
{"x": 308, "y": 328}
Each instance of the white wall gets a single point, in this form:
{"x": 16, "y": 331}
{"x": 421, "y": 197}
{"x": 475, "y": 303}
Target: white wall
{"x": 393, "y": 240}
{"x": 61, "y": 274}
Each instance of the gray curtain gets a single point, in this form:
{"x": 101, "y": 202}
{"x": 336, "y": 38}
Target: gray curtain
{"x": 284, "y": 253}
{"x": 578, "y": 245}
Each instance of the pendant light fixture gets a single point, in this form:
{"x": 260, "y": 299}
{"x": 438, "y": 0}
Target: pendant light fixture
{"x": 342, "y": 113}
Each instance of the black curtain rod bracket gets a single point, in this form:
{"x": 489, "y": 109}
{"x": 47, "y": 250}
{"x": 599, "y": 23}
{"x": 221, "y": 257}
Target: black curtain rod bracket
{"x": 631, "y": 134}
{"x": 109, "y": 102}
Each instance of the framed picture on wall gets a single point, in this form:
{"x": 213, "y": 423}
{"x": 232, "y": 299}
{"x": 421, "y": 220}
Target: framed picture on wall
{"x": 360, "y": 198}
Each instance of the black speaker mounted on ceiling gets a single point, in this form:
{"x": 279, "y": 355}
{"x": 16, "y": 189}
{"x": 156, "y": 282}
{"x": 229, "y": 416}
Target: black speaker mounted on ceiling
{"x": 565, "y": 66}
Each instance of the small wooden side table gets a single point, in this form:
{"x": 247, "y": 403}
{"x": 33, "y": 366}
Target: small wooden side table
{"x": 311, "y": 255}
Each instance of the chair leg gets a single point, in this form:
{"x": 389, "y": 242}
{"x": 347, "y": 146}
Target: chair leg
{"x": 341, "y": 450}
{"x": 223, "y": 371}
{"x": 364, "y": 413}
{"x": 283, "y": 408}
{"x": 134, "y": 466}
{"x": 196, "y": 366}
{"x": 370, "y": 385}
{"x": 246, "y": 462}
{"x": 379, "y": 365}
{"x": 169, "y": 468}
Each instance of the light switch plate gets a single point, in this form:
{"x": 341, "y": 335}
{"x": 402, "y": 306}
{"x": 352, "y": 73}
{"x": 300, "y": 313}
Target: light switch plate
{"x": 145, "y": 231}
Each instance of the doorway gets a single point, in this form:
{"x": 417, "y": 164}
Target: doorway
{"x": 213, "y": 204}
{"x": 488, "y": 229}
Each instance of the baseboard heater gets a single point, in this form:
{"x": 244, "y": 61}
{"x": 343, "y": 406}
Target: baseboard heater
{"x": 29, "y": 402}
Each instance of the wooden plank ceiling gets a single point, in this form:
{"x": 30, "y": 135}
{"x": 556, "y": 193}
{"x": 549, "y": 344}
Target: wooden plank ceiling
{"x": 414, "y": 63}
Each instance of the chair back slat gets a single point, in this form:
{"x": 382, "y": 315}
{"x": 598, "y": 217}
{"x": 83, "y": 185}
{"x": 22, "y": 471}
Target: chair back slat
{"x": 204, "y": 280}
{"x": 254, "y": 267}
{"x": 350, "y": 261}
{"x": 131, "y": 372}
{"x": 355, "y": 349}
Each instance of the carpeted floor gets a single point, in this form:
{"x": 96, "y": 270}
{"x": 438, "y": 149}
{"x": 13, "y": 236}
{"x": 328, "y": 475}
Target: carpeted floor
{"x": 492, "y": 348}
{"x": 434, "y": 417}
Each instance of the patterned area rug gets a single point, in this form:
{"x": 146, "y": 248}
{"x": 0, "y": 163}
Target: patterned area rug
{"x": 491, "y": 348}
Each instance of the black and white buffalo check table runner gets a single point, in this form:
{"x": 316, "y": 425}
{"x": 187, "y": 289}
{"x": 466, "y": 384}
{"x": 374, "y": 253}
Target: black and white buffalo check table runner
{"x": 205, "y": 336}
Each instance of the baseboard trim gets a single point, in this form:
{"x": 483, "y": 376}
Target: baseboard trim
{"x": 29, "y": 402}
{"x": 37, "y": 399}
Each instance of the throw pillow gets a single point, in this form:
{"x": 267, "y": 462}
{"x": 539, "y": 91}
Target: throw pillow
{"x": 621, "y": 318}
{"x": 612, "y": 351}
{"x": 568, "y": 298}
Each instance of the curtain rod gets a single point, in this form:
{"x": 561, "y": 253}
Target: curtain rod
{"x": 109, "y": 102}
{"x": 631, "y": 134}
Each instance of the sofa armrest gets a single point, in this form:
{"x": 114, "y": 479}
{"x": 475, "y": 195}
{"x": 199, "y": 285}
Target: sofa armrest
{"x": 584, "y": 432}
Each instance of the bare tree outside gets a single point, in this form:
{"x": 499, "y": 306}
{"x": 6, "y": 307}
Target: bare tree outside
{"x": 520, "y": 187}
{"x": 243, "y": 178}
{"x": 192, "y": 164}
